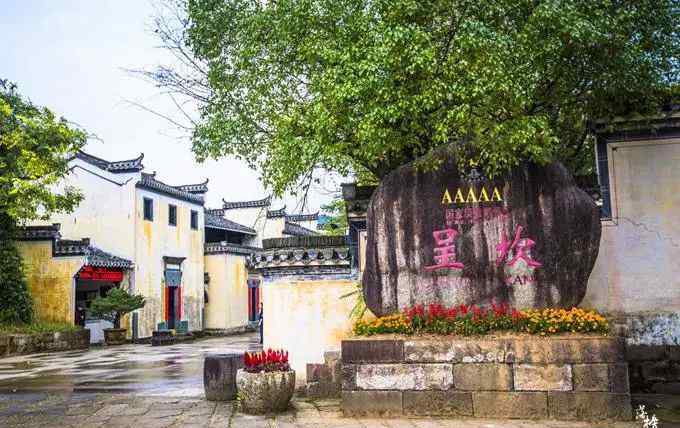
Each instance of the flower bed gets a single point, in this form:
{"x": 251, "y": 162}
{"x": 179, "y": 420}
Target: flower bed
{"x": 473, "y": 320}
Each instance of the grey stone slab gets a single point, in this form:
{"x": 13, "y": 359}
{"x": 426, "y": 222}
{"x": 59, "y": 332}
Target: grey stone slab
{"x": 556, "y": 350}
{"x": 373, "y": 403}
{"x": 591, "y": 377}
{"x": 482, "y": 377}
{"x": 438, "y": 403}
{"x": 372, "y": 350}
{"x": 404, "y": 376}
{"x": 543, "y": 377}
{"x": 349, "y": 377}
{"x": 511, "y": 405}
{"x": 601, "y": 377}
{"x": 589, "y": 406}
{"x": 459, "y": 351}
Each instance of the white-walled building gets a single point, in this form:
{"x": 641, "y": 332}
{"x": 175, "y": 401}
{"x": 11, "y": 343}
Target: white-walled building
{"x": 159, "y": 227}
{"x": 233, "y": 234}
{"x": 190, "y": 263}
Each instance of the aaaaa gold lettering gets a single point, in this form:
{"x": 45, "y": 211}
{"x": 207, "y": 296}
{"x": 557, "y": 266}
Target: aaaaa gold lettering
{"x": 472, "y": 196}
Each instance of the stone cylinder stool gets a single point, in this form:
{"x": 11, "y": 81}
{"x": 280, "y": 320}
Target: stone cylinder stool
{"x": 219, "y": 376}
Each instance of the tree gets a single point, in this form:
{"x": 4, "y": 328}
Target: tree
{"x": 117, "y": 303}
{"x": 336, "y": 217}
{"x": 16, "y": 305}
{"x": 34, "y": 151}
{"x": 297, "y": 85}
{"x": 35, "y": 148}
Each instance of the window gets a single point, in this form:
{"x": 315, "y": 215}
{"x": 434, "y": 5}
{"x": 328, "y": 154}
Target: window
{"x": 194, "y": 219}
{"x": 148, "y": 209}
{"x": 172, "y": 215}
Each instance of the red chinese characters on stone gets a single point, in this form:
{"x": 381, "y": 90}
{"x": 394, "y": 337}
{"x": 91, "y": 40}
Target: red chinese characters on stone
{"x": 521, "y": 247}
{"x": 445, "y": 251}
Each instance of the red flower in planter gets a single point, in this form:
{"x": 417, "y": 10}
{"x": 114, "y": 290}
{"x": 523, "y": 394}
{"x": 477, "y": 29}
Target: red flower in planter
{"x": 266, "y": 361}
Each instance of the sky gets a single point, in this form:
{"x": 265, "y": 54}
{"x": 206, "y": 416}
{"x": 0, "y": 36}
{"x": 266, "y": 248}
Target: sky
{"x": 72, "y": 56}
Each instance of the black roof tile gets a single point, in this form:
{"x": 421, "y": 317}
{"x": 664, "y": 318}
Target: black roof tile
{"x": 247, "y": 204}
{"x": 149, "y": 182}
{"x": 217, "y": 222}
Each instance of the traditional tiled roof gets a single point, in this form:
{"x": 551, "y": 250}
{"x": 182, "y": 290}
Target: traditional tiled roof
{"x": 277, "y": 213}
{"x": 130, "y": 165}
{"x": 356, "y": 199}
{"x": 215, "y": 211}
{"x": 303, "y": 255}
{"x": 149, "y": 182}
{"x": 295, "y": 229}
{"x": 38, "y": 233}
{"x": 303, "y": 217}
{"x": 222, "y": 223}
{"x": 227, "y": 247}
{"x": 317, "y": 241}
{"x": 247, "y": 204}
{"x": 93, "y": 256}
{"x": 199, "y": 188}
{"x": 68, "y": 247}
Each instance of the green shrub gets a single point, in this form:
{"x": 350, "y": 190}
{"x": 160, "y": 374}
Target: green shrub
{"x": 117, "y": 303}
{"x": 37, "y": 327}
{"x": 16, "y": 304}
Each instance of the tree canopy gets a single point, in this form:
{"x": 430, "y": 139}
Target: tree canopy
{"x": 16, "y": 304}
{"x": 342, "y": 84}
{"x": 117, "y": 303}
{"x": 35, "y": 148}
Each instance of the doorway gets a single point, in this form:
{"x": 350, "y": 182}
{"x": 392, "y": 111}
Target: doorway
{"x": 174, "y": 302}
{"x": 173, "y": 291}
{"x": 253, "y": 300}
{"x": 91, "y": 283}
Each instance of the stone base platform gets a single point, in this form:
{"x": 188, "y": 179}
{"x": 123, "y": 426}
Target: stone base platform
{"x": 567, "y": 377}
{"x": 166, "y": 337}
{"x": 21, "y": 344}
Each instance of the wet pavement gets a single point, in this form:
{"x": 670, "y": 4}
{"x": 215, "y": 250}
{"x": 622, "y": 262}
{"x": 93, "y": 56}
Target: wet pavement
{"x": 127, "y": 410}
{"x": 167, "y": 370}
{"x": 147, "y": 387}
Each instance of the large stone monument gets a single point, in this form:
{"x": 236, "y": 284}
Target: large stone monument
{"x": 530, "y": 238}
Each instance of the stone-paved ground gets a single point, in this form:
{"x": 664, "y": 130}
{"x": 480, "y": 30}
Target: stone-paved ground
{"x": 127, "y": 410}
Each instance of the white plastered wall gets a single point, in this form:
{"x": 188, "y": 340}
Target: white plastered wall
{"x": 156, "y": 239}
{"x": 637, "y": 269}
{"x": 227, "y": 305}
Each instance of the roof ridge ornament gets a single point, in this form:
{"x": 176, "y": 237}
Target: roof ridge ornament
{"x": 265, "y": 202}
{"x": 197, "y": 188}
{"x": 303, "y": 217}
{"x": 281, "y": 212}
{"x": 121, "y": 166}
{"x": 219, "y": 222}
{"x": 150, "y": 182}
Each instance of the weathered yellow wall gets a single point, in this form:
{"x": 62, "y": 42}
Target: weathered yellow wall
{"x": 50, "y": 280}
{"x": 156, "y": 239}
{"x": 227, "y": 305}
{"x": 637, "y": 268}
{"x": 307, "y": 318}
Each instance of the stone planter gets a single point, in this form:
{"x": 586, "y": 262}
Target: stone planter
{"x": 115, "y": 336}
{"x": 219, "y": 376}
{"x": 262, "y": 392}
